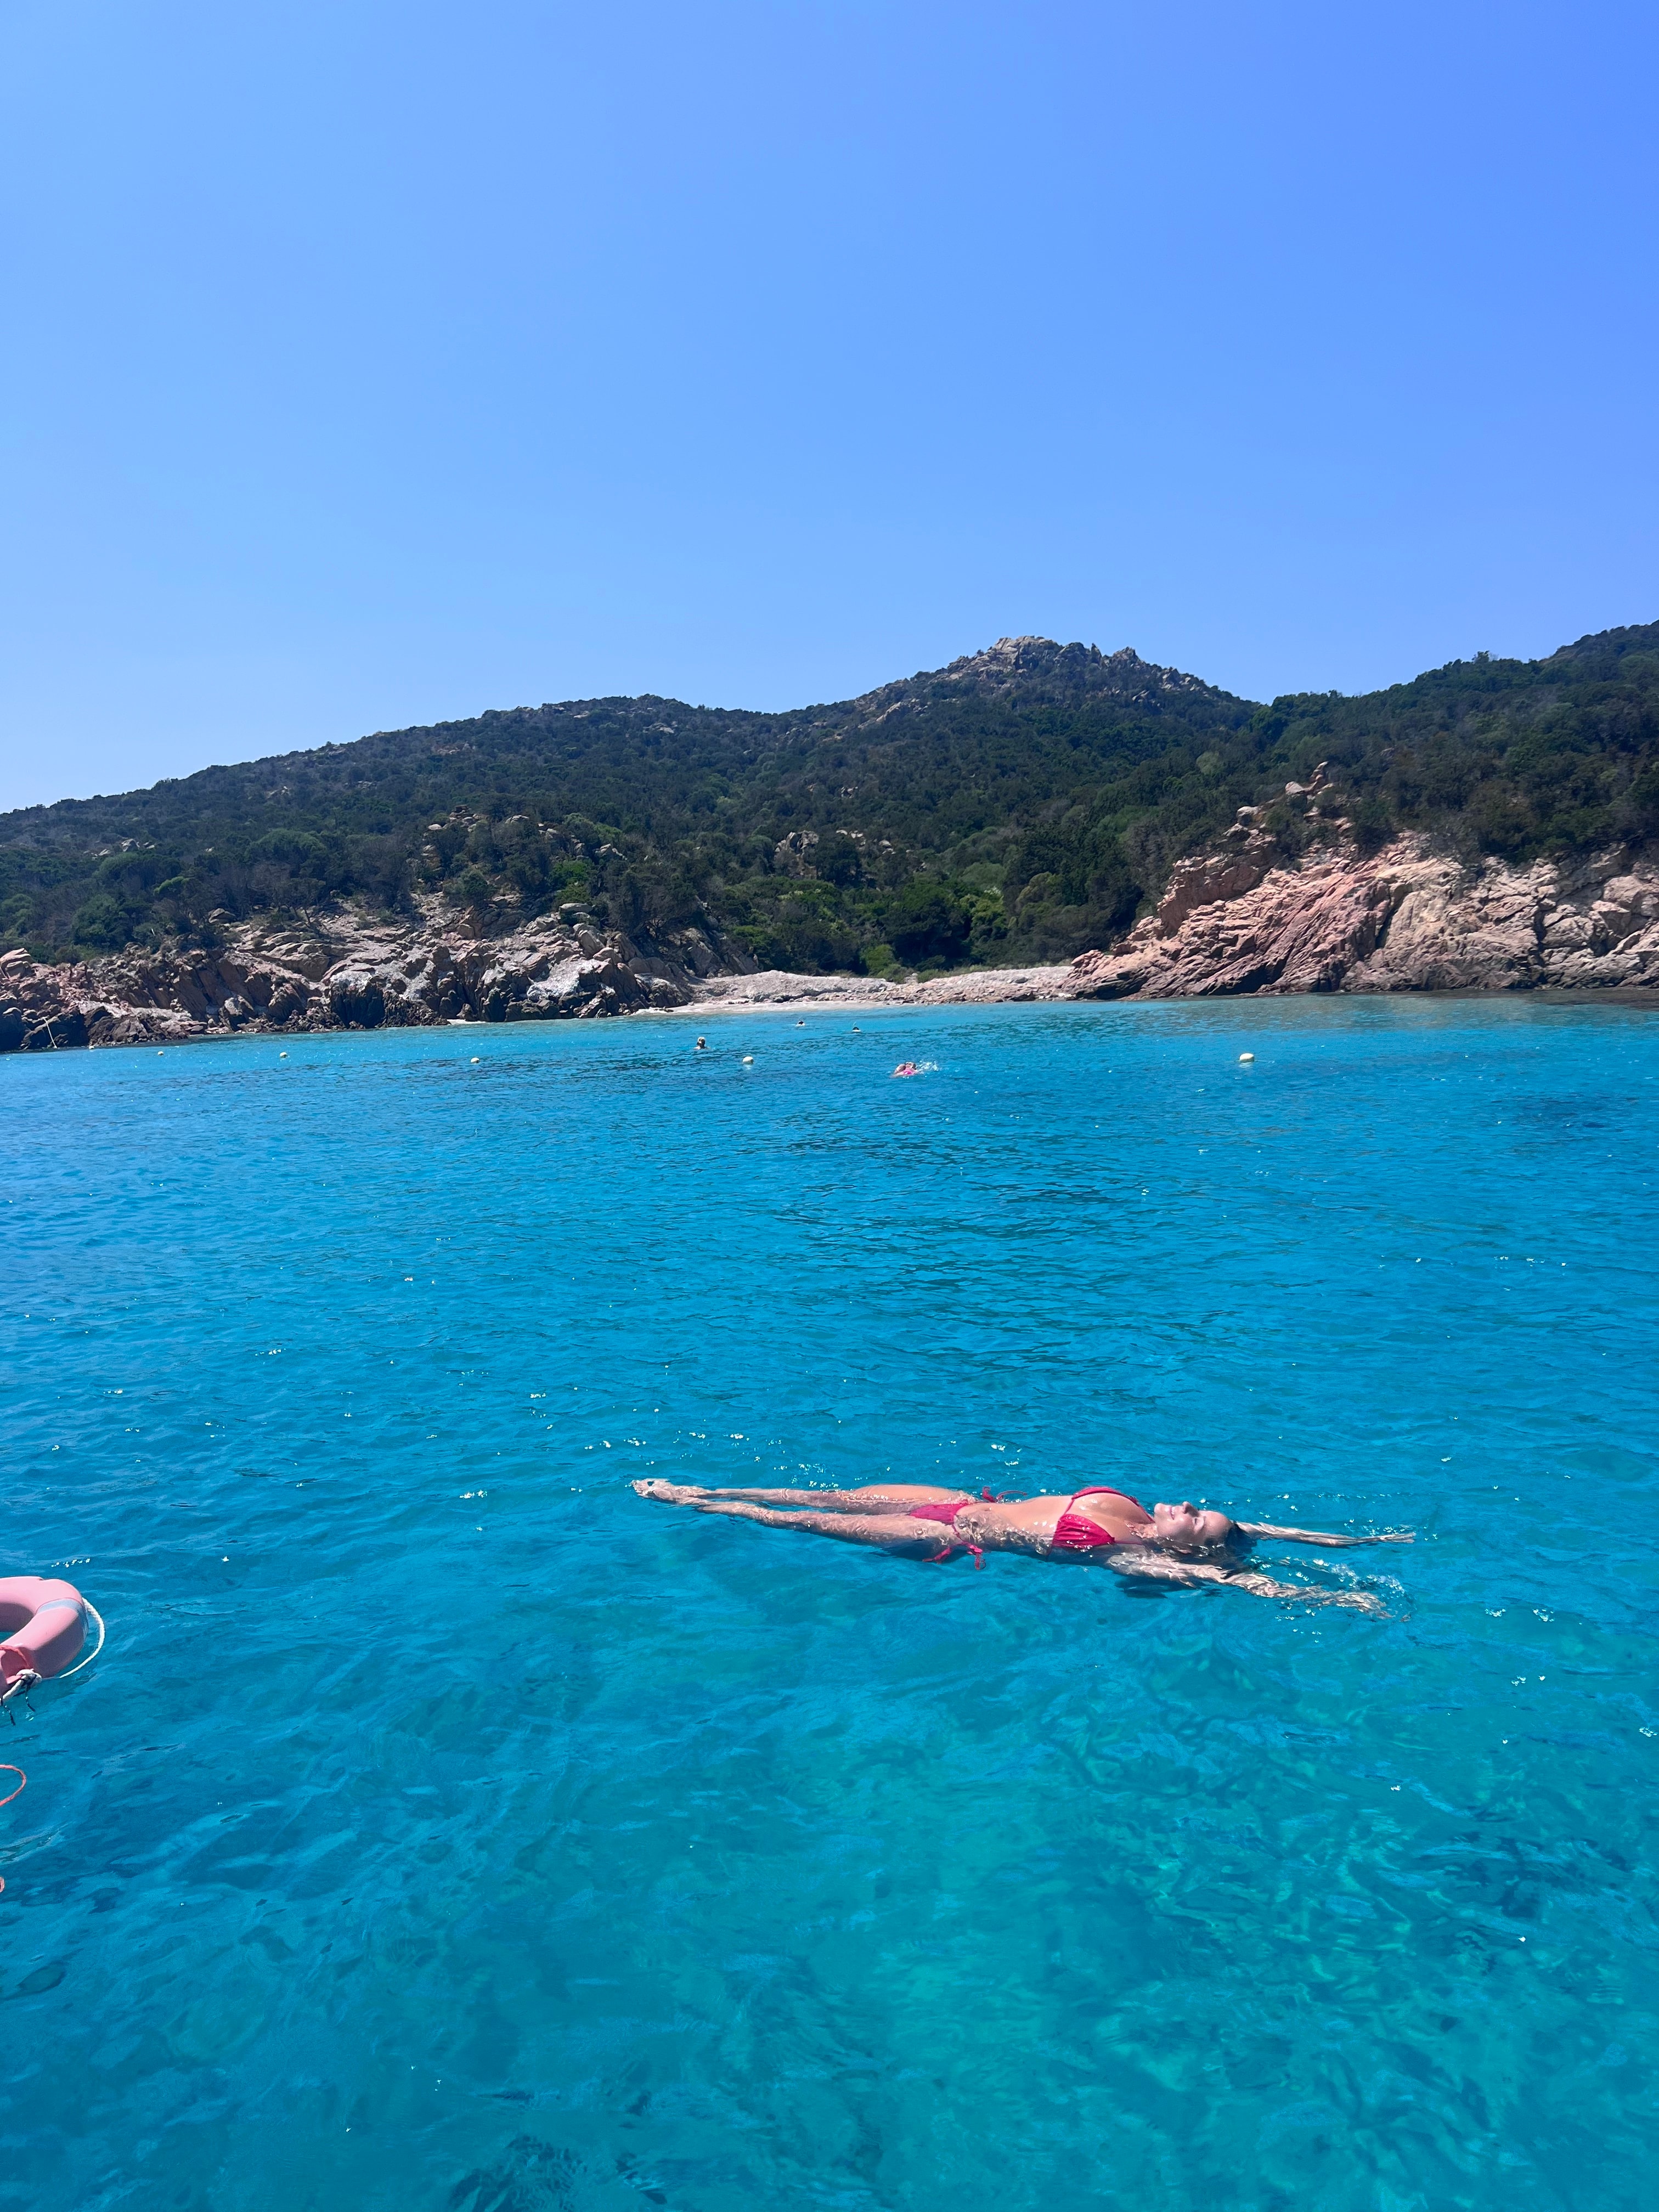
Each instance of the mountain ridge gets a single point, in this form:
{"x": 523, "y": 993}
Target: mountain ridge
{"x": 1028, "y": 801}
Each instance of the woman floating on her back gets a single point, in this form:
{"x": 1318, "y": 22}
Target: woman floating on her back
{"x": 1178, "y": 1544}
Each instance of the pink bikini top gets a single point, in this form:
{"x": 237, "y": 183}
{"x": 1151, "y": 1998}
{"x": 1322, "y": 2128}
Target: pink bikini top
{"x": 1075, "y": 1532}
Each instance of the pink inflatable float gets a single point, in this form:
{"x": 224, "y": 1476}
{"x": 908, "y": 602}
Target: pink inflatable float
{"x": 44, "y": 1624}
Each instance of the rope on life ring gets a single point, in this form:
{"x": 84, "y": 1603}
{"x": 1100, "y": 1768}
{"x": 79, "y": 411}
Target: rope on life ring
{"x": 86, "y": 1659}
{"x": 19, "y": 1686}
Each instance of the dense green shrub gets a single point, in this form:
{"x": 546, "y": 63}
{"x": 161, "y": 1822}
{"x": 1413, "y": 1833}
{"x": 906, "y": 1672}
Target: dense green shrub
{"x": 102, "y": 924}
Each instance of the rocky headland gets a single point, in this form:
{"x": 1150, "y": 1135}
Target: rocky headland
{"x": 1248, "y": 917}
{"x": 348, "y": 970}
{"x": 1408, "y": 917}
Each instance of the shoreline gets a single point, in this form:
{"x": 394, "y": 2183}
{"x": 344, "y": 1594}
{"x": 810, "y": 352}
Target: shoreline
{"x": 856, "y": 998}
{"x": 1246, "y": 920}
{"x": 779, "y": 990}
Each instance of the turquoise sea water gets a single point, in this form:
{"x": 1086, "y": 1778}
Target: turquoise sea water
{"x": 445, "y": 1827}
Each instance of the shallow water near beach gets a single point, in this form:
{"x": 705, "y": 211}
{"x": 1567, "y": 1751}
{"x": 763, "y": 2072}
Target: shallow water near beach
{"x": 445, "y": 1827}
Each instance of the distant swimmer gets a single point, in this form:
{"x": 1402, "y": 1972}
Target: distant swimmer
{"x": 702, "y": 1044}
{"x": 907, "y": 1067}
{"x": 1096, "y": 1525}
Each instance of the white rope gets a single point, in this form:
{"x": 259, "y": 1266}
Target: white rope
{"x": 95, "y": 1650}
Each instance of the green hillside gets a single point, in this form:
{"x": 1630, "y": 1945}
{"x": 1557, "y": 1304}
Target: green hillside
{"x": 1022, "y": 804}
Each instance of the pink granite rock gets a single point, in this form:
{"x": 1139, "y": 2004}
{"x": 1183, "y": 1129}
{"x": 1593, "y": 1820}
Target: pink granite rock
{"x": 1407, "y": 919}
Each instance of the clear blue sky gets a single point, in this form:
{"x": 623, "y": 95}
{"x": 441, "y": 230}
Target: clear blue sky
{"x": 375, "y": 364}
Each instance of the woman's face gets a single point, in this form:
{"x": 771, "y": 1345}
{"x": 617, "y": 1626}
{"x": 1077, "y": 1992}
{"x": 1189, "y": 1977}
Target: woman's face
{"x": 1188, "y": 1526}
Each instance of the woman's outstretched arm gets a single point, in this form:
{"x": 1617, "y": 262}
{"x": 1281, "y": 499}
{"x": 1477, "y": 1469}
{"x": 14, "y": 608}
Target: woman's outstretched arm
{"x": 1192, "y": 1574}
{"x": 1325, "y": 1538}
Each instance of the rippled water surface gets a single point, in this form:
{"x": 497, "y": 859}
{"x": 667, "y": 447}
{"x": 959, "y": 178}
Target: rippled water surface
{"x": 445, "y": 1827}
